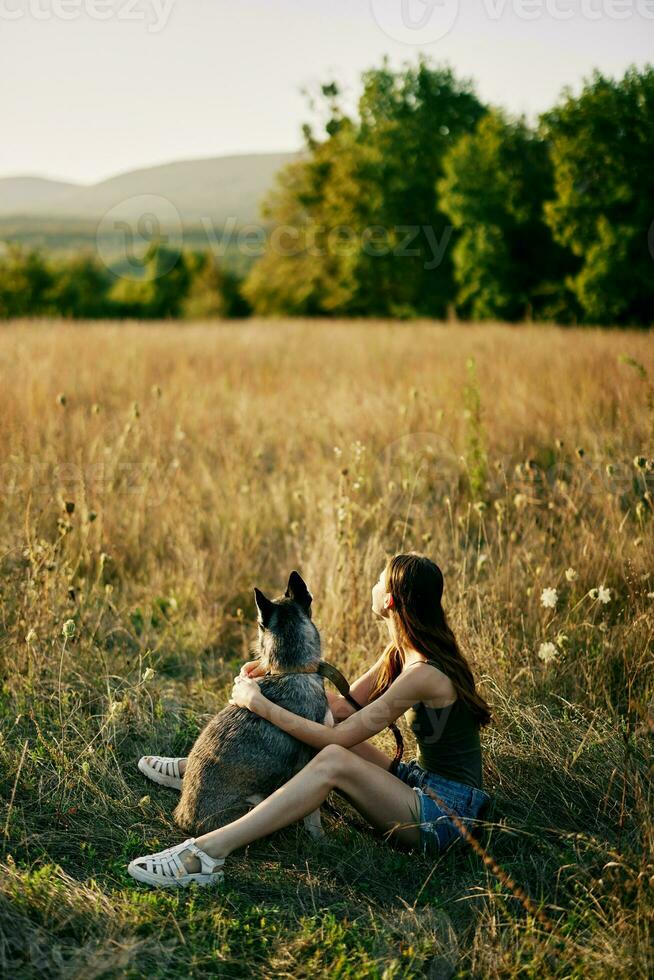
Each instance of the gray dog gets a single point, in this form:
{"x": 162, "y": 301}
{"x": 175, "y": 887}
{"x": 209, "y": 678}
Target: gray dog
{"x": 240, "y": 758}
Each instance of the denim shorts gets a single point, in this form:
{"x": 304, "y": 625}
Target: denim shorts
{"x": 437, "y": 829}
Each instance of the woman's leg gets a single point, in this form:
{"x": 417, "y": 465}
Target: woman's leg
{"x": 367, "y": 751}
{"x": 385, "y": 801}
{"x": 341, "y": 709}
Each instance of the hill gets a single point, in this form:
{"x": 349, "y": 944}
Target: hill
{"x": 19, "y": 195}
{"x": 218, "y": 188}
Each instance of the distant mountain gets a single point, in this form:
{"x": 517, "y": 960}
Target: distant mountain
{"x": 219, "y": 188}
{"x": 22, "y": 194}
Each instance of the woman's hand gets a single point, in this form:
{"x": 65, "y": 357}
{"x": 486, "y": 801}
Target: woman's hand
{"x": 252, "y": 668}
{"x": 246, "y": 693}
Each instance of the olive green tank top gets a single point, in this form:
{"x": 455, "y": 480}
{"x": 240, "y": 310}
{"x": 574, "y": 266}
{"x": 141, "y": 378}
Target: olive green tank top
{"x": 448, "y": 741}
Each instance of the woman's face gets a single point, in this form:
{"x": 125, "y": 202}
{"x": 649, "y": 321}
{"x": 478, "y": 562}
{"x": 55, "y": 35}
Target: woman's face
{"x": 380, "y": 597}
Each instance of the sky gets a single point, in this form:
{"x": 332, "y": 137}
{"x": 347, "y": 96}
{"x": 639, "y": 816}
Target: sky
{"x": 93, "y": 88}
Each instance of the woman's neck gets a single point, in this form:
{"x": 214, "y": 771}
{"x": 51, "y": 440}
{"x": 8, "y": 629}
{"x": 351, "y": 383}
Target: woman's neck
{"x": 412, "y": 656}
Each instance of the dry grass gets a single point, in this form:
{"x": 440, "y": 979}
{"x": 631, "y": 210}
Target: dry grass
{"x": 200, "y": 461}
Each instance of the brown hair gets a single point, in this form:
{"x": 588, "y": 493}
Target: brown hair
{"x": 416, "y": 584}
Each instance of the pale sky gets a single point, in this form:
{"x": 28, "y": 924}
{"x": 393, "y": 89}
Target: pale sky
{"x": 92, "y": 88}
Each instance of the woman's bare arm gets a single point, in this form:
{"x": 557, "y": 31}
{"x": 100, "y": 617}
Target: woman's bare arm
{"x": 360, "y": 690}
{"x": 340, "y": 706}
{"x": 409, "y": 687}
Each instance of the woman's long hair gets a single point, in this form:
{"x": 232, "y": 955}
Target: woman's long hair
{"x": 418, "y": 621}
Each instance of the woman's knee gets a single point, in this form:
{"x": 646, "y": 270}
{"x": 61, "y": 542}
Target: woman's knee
{"x": 331, "y": 760}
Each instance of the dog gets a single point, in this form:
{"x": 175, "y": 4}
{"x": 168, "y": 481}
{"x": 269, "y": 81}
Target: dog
{"x": 240, "y": 758}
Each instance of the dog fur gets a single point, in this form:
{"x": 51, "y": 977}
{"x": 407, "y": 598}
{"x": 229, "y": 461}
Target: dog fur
{"x": 240, "y": 758}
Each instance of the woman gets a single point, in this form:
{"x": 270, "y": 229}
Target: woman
{"x": 421, "y": 671}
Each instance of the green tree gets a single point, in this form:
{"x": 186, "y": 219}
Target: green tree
{"x": 25, "y": 281}
{"x": 161, "y": 292}
{"x": 363, "y": 231}
{"x": 506, "y": 264}
{"x": 213, "y": 291}
{"x": 79, "y": 288}
{"x": 602, "y": 145}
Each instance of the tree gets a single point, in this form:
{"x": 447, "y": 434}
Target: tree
{"x": 602, "y": 145}
{"x": 79, "y": 288}
{"x": 506, "y": 263}
{"x": 25, "y": 281}
{"x": 364, "y": 234}
{"x": 213, "y": 292}
{"x": 162, "y": 290}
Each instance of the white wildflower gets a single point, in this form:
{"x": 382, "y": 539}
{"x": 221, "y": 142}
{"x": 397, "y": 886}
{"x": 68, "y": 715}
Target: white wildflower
{"x": 68, "y": 629}
{"x": 548, "y": 598}
{"x": 547, "y": 652}
{"x": 603, "y": 595}
{"x": 148, "y": 674}
{"x": 571, "y": 575}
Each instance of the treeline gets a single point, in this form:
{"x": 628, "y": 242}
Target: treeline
{"x": 427, "y": 202}
{"x": 169, "y": 283}
{"x": 422, "y": 202}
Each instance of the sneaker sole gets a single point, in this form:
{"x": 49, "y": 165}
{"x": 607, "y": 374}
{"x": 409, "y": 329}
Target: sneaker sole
{"x": 172, "y": 782}
{"x": 203, "y": 881}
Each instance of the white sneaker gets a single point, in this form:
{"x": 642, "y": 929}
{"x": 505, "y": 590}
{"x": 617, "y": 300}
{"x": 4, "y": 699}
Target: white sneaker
{"x": 162, "y": 770}
{"x": 167, "y": 870}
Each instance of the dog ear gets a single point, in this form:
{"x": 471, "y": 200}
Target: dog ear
{"x": 298, "y": 591}
{"x": 265, "y": 607}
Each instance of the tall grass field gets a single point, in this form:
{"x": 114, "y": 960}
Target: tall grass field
{"x": 152, "y": 475}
